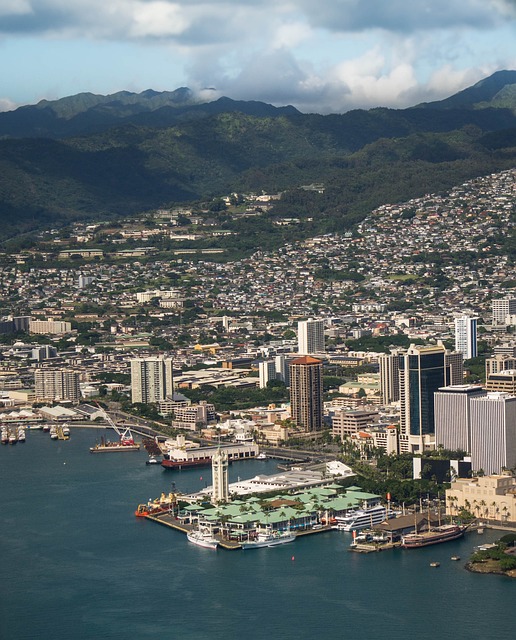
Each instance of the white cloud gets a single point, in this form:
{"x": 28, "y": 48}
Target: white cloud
{"x": 15, "y": 7}
{"x": 158, "y": 19}
{"x": 7, "y": 105}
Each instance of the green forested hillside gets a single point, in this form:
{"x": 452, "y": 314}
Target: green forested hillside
{"x": 363, "y": 158}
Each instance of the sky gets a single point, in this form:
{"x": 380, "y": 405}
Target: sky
{"x": 323, "y": 56}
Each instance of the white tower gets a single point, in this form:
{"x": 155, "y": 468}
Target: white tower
{"x": 219, "y": 470}
{"x": 310, "y": 337}
{"x": 466, "y": 336}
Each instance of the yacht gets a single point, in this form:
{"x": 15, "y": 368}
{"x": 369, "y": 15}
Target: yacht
{"x": 202, "y": 538}
{"x": 361, "y": 519}
{"x": 269, "y": 539}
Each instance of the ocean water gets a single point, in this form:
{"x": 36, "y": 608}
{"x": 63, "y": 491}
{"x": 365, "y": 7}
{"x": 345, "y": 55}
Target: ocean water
{"x": 76, "y": 564}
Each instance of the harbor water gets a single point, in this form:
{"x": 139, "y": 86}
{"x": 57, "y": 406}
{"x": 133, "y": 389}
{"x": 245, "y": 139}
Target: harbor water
{"x": 76, "y": 564}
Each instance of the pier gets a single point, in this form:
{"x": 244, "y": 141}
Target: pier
{"x": 169, "y": 520}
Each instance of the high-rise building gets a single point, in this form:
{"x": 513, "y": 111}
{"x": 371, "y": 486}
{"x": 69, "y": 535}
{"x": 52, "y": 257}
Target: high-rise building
{"x": 151, "y": 379}
{"x": 390, "y": 376}
{"x": 501, "y": 309}
{"x": 422, "y": 373}
{"x": 57, "y": 385}
{"x": 453, "y": 416}
{"x": 282, "y": 370}
{"x": 493, "y": 433}
{"x": 276, "y": 369}
{"x": 466, "y": 336}
{"x": 306, "y": 393}
{"x": 310, "y": 336}
{"x": 267, "y": 372}
{"x": 453, "y": 368}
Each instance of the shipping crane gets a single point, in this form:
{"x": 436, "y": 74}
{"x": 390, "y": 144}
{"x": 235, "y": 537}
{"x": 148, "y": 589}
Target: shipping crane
{"x": 126, "y": 437}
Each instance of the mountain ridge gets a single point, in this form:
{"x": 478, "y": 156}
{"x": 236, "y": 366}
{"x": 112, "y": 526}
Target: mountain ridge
{"x": 123, "y": 159}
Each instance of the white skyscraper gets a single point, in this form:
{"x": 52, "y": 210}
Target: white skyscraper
{"x": 310, "y": 337}
{"x": 466, "y": 336}
{"x": 151, "y": 379}
{"x": 452, "y": 407}
{"x": 493, "y": 433}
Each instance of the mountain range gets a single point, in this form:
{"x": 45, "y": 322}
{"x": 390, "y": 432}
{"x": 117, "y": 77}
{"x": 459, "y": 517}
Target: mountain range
{"x": 89, "y": 156}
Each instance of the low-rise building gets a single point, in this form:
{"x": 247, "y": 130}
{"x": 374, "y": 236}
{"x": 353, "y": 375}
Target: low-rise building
{"x": 489, "y": 497}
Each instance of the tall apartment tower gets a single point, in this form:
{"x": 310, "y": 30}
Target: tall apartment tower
{"x": 57, "y": 385}
{"x": 306, "y": 393}
{"x": 267, "y": 372}
{"x": 493, "y": 433}
{"x": 310, "y": 336}
{"x": 501, "y": 309}
{"x": 466, "y": 336}
{"x": 452, "y": 407}
{"x": 282, "y": 369}
{"x": 276, "y": 369}
{"x": 151, "y": 379}
{"x": 422, "y": 373}
{"x": 219, "y": 469}
{"x": 390, "y": 376}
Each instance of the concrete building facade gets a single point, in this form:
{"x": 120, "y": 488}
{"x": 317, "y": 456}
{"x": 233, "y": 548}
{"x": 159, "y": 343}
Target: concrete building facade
{"x": 310, "y": 336}
{"x": 466, "y": 336}
{"x": 151, "y": 379}
{"x": 493, "y": 433}
{"x": 452, "y": 406}
{"x": 306, "y": 393}
{"x": 57, "y": 385}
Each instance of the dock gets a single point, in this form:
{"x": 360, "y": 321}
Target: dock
{"x": 169, "y": 520}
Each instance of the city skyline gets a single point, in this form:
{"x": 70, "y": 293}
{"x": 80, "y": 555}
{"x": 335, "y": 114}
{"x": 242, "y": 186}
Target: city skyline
{"x": 328, "y": 58}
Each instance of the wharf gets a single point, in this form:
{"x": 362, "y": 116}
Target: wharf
{"x": 168, "y": 520}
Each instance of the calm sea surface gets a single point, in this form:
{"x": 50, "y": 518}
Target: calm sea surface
{"x": 76, "y": 564}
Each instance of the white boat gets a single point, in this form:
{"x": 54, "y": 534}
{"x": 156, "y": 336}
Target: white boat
{"x": 261, "y": 456}
{"x": 53, "y": 433}
{"x": 202, "y": 538}
{"x": 66, "y": 430}
{"x": 269, "y": 539}
{"x": 361, "y": 519}
{"x": 21, "y": 434}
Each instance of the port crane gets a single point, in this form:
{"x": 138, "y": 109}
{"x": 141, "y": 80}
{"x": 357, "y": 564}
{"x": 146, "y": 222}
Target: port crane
{"x": 125, "y": 435}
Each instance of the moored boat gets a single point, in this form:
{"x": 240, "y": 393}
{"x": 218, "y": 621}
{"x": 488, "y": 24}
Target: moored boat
{"x": 444, "y": 533}
{"x": 202, "y": 538}
{"x": 361, "y": 519}
{"x": 269, "y": 539}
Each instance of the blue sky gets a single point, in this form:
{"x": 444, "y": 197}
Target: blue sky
{"x": 319, "y": 55}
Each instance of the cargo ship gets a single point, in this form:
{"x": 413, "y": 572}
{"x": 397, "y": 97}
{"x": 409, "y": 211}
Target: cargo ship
{"x": 444, "y": 533}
